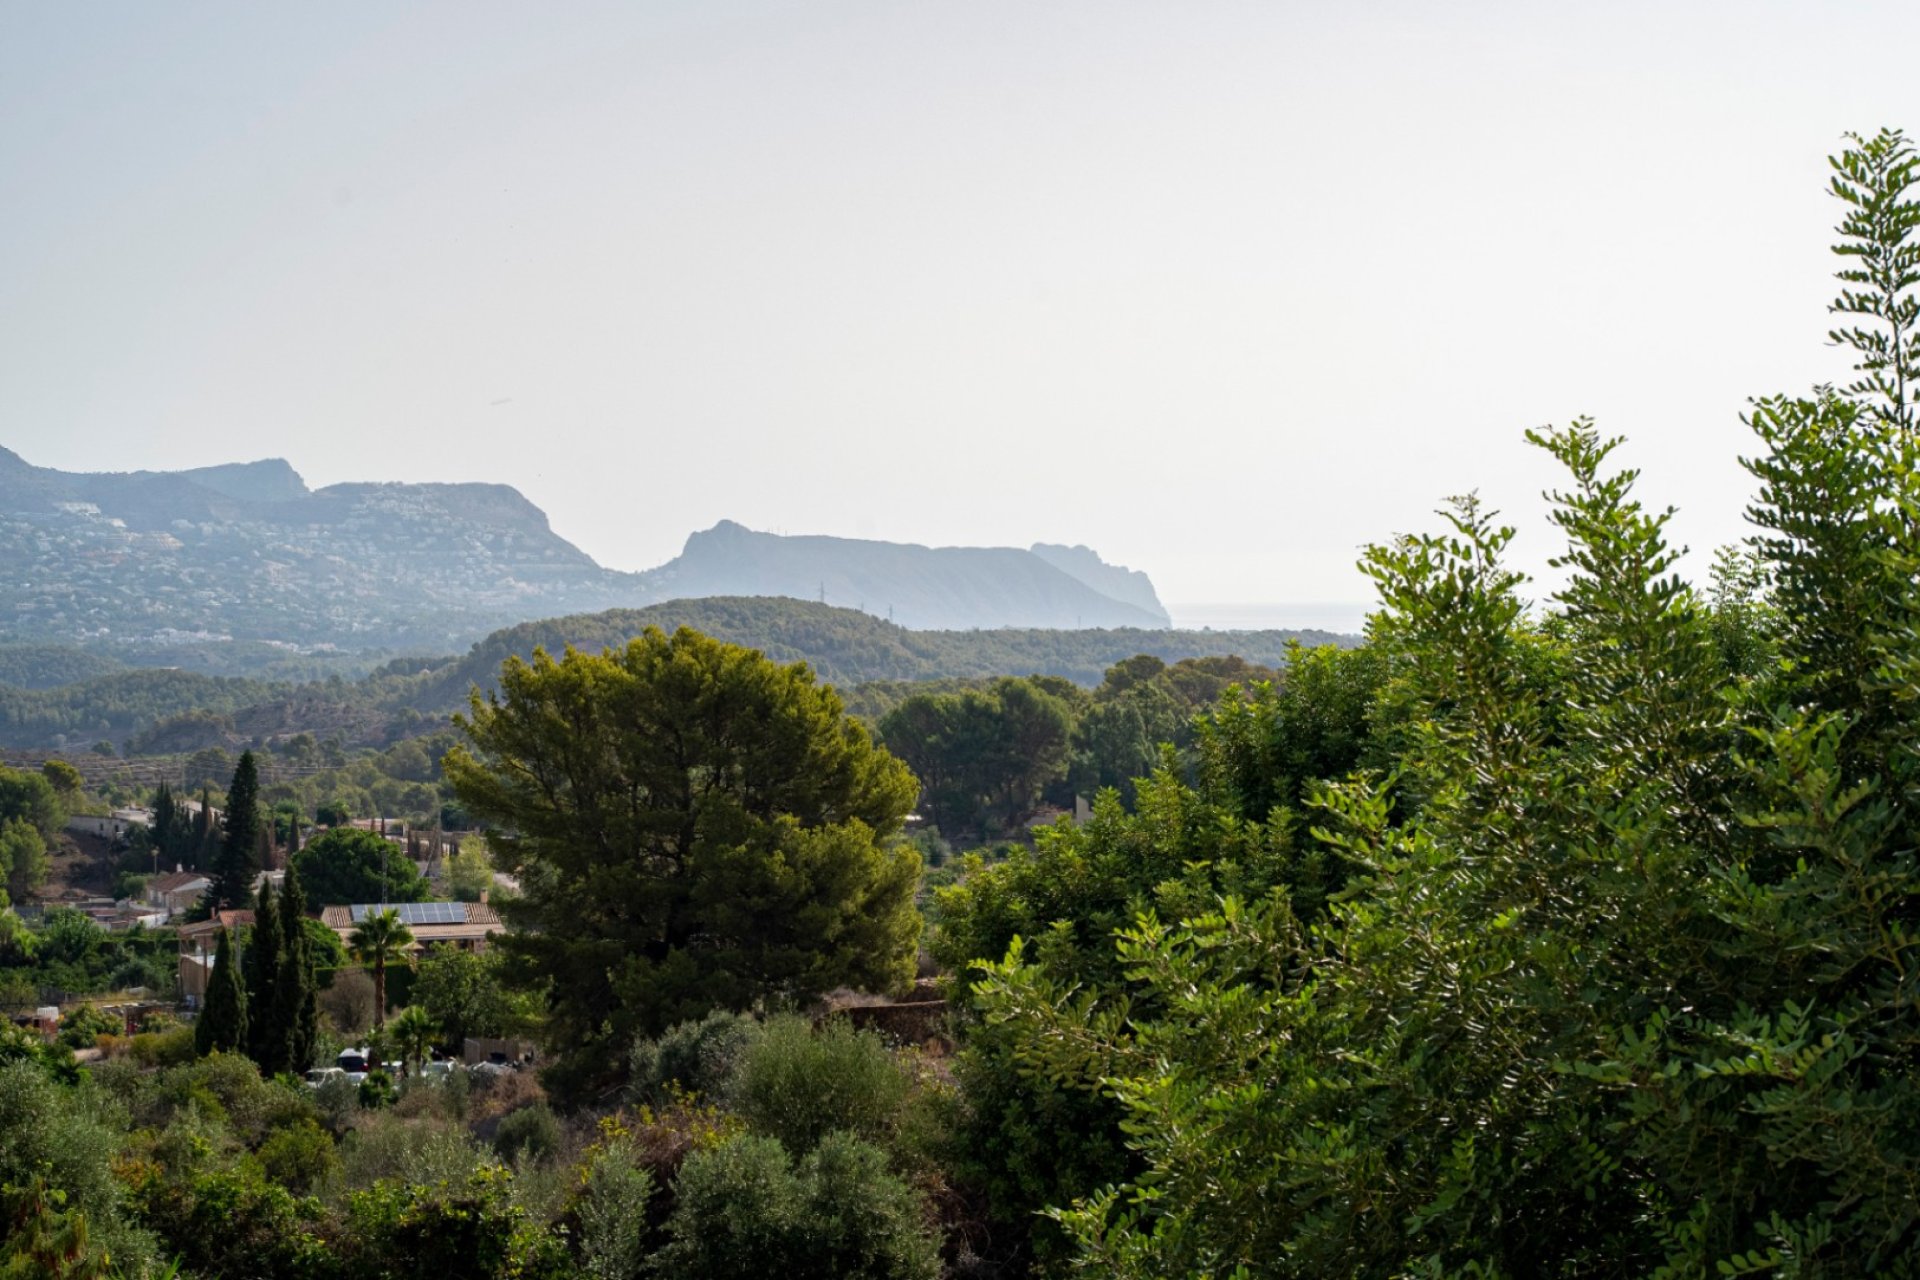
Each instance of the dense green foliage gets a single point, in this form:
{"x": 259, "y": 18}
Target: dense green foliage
{"x": 989, "y": 754}
{"x": 799, "y": 1084}
{"x": 48, "y": 666}
{"x": 225, "y": 1173}
{"x": 848, "y": 647}
{"x": 281, "y": 1013}
{"x": 118, "y": 705}
{"x": 984, "y": 757}
{"x": 464, "y": 994}
{"x": 844, "y": 646}
{"x": 695, "y": 827}
{"x": 32, "y": 811}
{"x": 70, "y": 956}
{"x": 350, "y": 865}
{"x": 1619, "y": 977}
{"x": 835, "y": 1212}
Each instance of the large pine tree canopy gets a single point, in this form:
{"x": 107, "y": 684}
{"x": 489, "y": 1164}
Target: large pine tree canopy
{"x": 695, "y": 827}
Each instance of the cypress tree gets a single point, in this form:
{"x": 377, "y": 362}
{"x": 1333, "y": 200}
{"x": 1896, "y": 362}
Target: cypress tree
{"x": 166, "y": 819}
{"x": 234, "y": 869}
{"x": 297, "y": 1011}
{"x": 223, "y": 1021}
{"x": 205, "y": 842}
{"x": 266, "y": 1035}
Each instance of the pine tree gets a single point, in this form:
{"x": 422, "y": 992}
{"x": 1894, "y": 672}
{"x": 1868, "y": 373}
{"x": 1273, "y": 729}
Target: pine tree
{"x": 234, "y": 868}
{"x": 266, "y": 1034}
{"x": 297, "y": 1012}
{"x": 223, "y": 1021}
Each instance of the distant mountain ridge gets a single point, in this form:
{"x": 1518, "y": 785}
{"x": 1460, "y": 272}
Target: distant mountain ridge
{"x": 247, "y": 552}
{"x": 926, "y": 588}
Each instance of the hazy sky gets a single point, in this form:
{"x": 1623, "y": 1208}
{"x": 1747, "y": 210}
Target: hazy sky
{"x": 1225, "y": 291}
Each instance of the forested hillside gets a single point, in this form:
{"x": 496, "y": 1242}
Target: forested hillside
{"x": 844, "y": 646}
{"x": 849, "y": 647}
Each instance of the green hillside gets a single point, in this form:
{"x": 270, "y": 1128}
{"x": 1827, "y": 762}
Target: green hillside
{"x": 849, "y": 647}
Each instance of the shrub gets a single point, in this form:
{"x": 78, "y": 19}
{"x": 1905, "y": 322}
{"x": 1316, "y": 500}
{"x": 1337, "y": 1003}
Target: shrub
{"x": 40, "y": 1237}
{"x": 697, "y": 1057}
{"x": 68, "y": 1137}
{"x": 338, "y": 1102}
{"x": 377, "y": 1091}
{"x": 229, "y": 1221}
{"x": 531, "y": 1132}
{"x": 496, "y": 1095}
{"x": 225, "y": 1085}
{"x": 170, "y": 1047}
{"x": 81, "y": 1027}
{"x": 745, "y": 1207}
{"x": 797, "y": 1083}
{"x": 470, "y": 1228}
{"x": 616, "y": 1189}
{"x": 382, "y": 1146}
{"x": 299, "y": 1157}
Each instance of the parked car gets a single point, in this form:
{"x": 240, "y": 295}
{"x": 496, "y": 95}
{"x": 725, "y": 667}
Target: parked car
{"x": 320, "y": 1076}
{"x": 353, "y": 1063}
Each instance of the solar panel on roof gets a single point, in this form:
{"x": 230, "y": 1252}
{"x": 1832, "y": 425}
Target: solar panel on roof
{"x": 413, "y": 913}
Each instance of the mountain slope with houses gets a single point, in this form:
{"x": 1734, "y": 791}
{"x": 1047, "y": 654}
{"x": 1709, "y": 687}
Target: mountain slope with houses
{"x": 248, "y": 553}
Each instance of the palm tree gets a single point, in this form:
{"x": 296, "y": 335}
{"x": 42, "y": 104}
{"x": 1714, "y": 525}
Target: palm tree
{"x": 378, "y": 938}
{"x": 414, "y": 1033}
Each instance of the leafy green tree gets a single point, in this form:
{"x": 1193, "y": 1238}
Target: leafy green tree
{"x": 469, "y": 872}
{"x": 1880, "y": 236}
{"x": 346, "y": 866}
{"x": 66, "y": 781}
{"x": 985, "y": 756}
{"x": 23, "y": 857}
{"x": 616, "y": 1191}
{"x": 697, "y": 1058}
{"x": 465, "y": 993}
{"x": 208, "y": 766}
{"x": 69, "y": 937}
{"x": 1028, "y": 1139}
{"x": 1626, "y": 989}
{"x": 695, "y": 828}
{"x": 222, "y": 1025}
{"x": 378, "y": 940}
{"x": 236, "y": 865}
{"x": 1320, "y": 720}
{"x": 30, "y": 798}
{"x": 475, "y": 1228}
